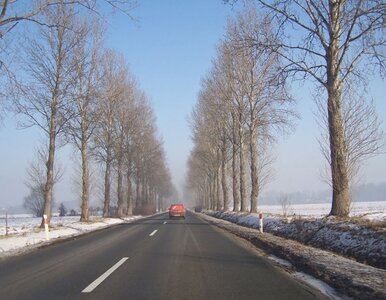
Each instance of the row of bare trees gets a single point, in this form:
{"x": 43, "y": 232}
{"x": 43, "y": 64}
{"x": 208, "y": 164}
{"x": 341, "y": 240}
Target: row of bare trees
{"x": 336, "y": 44}
{"x": 78, "y": 92}
{"x": 125, "y": 141}
{"x": 242, "y": 104}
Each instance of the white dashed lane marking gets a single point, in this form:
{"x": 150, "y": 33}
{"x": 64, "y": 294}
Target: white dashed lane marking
{"x": 153, "y": 233}
{"x": 101, "y": 278}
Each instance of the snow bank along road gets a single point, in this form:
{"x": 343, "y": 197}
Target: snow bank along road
{"x": 152, "y": 258}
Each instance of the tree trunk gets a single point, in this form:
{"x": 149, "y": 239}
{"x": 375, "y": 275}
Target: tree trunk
{"x": 235, "y": 173}
{"x": 137, "y": 192}
{"x": 218, "y": 192}
{"x": 129, "y": 194}
{"x": 243, "y": 199}
{"x": 150, "y": 193}
{"x": 155, "y": 198}
{"x": 338, "y": 148}
{"x": 211, "y": 193}
{"x": 215, "y": 203}
{"x": 207, "y": 194}
{"x": 339, "y": 172}
{"x": 85, "y": 181}
{"x": 50, "y": 169}
{"x": 224, "y": 177}
{"x": 159, "y": 204}
{"x": 120, "y": 211}
{"x": 106, "y": 205}
{"x": 144, "y": 191}
{"x": 254, "y": 175}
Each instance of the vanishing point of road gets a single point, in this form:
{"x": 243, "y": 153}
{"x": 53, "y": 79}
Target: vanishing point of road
{"x": 151, "y": 258}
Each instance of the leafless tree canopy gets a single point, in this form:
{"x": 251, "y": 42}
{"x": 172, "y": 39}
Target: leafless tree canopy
{"x": 14, "y": 12}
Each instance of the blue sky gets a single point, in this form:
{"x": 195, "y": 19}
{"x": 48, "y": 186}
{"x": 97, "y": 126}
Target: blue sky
{"x": 169, "y": 50}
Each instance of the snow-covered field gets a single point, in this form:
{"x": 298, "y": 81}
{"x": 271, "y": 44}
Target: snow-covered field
{"x": 22, "y": 223}
{"x": 369, "y": 210}
{"x": 24, "y": 232}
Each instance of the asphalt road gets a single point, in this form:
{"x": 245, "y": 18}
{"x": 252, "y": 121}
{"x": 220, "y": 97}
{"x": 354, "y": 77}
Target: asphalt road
{"x": 153, "y": 258}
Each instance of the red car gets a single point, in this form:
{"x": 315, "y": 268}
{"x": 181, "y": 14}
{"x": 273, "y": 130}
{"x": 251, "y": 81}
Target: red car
{"x": 177, "y": 210}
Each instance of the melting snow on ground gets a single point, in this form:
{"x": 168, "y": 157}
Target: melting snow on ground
{"x": 361, "y": 237}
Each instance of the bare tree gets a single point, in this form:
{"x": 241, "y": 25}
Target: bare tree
{"x": 338, "y": 40}
{"x": 62, "y": 210}
{"x": 285, "y": 203}
{"x": 43, "y": 97}
{"x": 85, "y": 96}
{"x": 34, "y": 202}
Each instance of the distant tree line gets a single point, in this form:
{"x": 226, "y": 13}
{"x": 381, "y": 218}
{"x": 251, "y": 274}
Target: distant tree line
{"x": 244, "y": 100}
{"x": 78, "y": 92}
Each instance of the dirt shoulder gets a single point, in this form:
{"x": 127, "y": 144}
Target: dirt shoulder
{"x": 352, "y": 278}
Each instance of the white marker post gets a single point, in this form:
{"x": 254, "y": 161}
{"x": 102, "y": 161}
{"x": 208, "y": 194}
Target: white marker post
{"x": 261, "y": 221}
{"x": 6, "y": 221}
{"x": 46, "y": 227}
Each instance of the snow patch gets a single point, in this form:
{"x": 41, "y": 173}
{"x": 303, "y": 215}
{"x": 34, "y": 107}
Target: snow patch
{"x": 280, "y": 261}
{"x": 323, "y": 287}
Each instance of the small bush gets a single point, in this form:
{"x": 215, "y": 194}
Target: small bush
{"x": 370, "y": 224}
{"x": 198, "y": 208}
{"x": 145, "y": 210}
